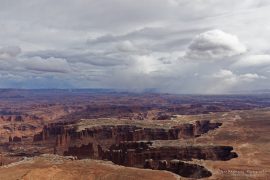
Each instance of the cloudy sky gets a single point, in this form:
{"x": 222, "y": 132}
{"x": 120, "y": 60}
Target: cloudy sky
{"x": 175, "y": 46}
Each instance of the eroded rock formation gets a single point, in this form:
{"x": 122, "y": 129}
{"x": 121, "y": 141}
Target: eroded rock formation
{"x": 132, "y": 146}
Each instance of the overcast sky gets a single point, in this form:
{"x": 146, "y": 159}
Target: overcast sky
{"x": 175, "y": 46}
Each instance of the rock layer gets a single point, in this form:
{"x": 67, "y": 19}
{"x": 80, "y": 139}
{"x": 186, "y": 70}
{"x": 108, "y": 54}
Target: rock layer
{"x": 132, "y": 146}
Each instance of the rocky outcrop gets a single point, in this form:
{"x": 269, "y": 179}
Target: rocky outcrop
{"x": 188, "y": 170}
{"x": 17, "y": 118}
{"x": 62, "y": 136}
{"x": 135, "y": 153}
{"x": 84, "y": 151}
{"x": 131, "y": 145}
{"x": 15, "y": 139}
{"x": 143, "y": 155}
{"x": 127, "y": 132}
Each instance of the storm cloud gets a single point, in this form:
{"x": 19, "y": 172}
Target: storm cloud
{"x": 177, "y": 46}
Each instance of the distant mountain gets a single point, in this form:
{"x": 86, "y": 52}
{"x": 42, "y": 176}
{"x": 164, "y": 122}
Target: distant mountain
{"x": 258, "y": 91}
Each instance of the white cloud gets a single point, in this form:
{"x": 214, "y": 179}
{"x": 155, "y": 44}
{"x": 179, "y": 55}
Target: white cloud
{"x": 225, "y": 80}
{"x": 251, "y": 77}
{"x": 253, "y": 61}
{"x": 230, "y": 76}
{"x": 214, "y": 44}
{"x": 224, "y": 73}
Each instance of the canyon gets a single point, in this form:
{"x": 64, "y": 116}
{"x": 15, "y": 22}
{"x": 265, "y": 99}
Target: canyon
{"x": 132, "y": 145}
{"x": 187, "y": 136}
